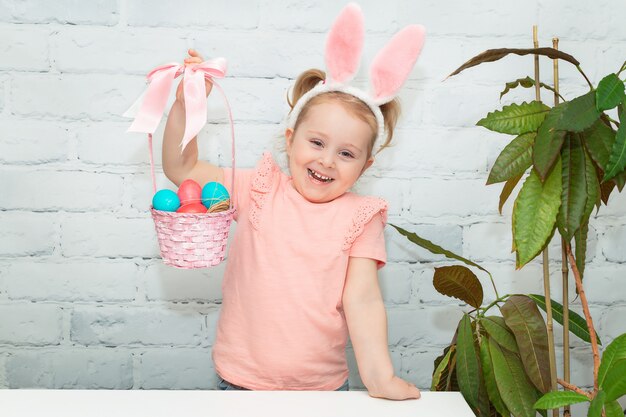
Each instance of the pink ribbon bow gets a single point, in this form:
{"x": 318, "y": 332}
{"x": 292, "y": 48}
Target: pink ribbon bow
{"x": 154, "y": 99}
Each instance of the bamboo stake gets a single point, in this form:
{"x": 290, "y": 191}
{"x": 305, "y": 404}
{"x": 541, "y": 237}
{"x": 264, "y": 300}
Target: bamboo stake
{"x": 564, "y": 268}
{"x": 546, "y": 260}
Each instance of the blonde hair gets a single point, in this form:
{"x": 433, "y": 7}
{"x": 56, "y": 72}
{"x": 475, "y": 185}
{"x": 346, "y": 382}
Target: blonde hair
{"x": 310, "y": 78}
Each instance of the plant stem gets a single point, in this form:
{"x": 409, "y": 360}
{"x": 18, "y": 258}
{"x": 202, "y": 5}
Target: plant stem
{"x": 622, "y": 69}
{"x": 574, "y": 388}
{"x": 611, "y": 119}
{"x": 592, "y": 330}
{"x": 499, "y": 300}
{"x": 494, "y": 285}
{"x": 588, "y": 82}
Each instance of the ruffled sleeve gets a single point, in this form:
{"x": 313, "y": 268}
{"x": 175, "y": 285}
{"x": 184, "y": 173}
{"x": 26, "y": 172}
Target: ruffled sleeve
{"x": 264, "y": 177}
{"x": 366, "y": 211}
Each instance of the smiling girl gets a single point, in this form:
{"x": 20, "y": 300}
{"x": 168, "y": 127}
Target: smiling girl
{"x": 302, "y": 268}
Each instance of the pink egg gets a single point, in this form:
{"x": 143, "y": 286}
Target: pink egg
{"x": 189, "y": 192}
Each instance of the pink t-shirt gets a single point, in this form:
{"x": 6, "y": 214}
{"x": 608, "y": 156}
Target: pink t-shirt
{"x": 282, "y": 326}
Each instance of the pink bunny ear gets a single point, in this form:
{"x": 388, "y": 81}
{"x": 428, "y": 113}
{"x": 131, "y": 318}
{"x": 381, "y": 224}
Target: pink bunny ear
{"x": 394, "y": 62}
{"x": 344, "y": 44}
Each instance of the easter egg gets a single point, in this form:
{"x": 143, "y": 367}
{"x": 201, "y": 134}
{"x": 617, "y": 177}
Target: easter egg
{"x": 214, "y": 193}
{"x": 165, "y": 200}
{"x": 192, "y": 208}
{"x": 189, "y": 192}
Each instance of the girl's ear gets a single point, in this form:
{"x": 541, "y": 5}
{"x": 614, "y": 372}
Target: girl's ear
{"x": 288, "y": 138}
{"x": 368, "y": 164}
{"x": 345, "y": 43}
{"x": 392, "y": 65}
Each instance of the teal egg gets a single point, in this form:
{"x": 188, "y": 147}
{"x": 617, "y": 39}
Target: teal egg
{"x": 213, "y": 193}
{"x": 166, "y": 200}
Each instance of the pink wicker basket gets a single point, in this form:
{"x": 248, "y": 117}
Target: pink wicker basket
{"x": 190, "y": 240}
{"x": 186, "y": 240}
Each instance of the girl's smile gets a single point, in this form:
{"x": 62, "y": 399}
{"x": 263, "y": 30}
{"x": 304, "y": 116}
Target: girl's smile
{"x": 328, "y": 152}
{"x": 319, "y": 178}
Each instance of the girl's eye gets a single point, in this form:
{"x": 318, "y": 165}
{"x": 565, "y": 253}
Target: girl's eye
{"x": 316, "y": 142}
{"x": 346, "y": 154}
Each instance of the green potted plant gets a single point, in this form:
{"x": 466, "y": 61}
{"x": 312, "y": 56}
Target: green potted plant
{"x": 574, "y": 155}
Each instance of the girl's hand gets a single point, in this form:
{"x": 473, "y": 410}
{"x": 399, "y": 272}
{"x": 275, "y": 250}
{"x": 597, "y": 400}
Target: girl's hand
{"x": 194, "y": 58}
{"x": 395, "y": 389}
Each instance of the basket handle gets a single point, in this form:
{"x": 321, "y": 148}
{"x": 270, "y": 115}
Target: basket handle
{"x": 232, "y": 135}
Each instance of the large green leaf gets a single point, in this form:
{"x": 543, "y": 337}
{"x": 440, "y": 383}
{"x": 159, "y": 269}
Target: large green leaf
{"x": 593, "y": 187}
{"x": 440, "y": 368}
{"x": 574, "y": 187}
{"x": 557, "y": 399}
{"x": 467, "y": 366}
{"x": 515, "y": 389}
{"x": 492, "y": 55}
{"x": 514, "y": 159}
{"x": 615, "y": 381}
{"x": 614, "y": 353}
{"x": 452, "y": 383}
{"x": 577, "y": 324}
{"x": 613, "y": 409}
{"x": 526, "y": 83}
{"x": 548, "y": 142}
{"x": 580, "y": 238}
{"x": 535, "y": 211}
{"x": 599, "y": 140}
{"x": 433, "y": 248}
{"x": 484, "y": 405}
{"x": 522, "y": 316}
{"x": 490, "y": 379}
{"x": 593, "y": 199}
{"x": 595, "y": 408}
{"x": 617, "y": 159}
{"x": 508, "y": 188}
{"x": 498, "y": 331}
{"x": 620, "y": 180}
{"x": 610, "y": 92}
{"x": 606, "y": 188}
{"x": 446, "y": 381}
{"x": 516, "y": 119}
{"x": 579, "y": 113}
{"x": 459, "y": 282}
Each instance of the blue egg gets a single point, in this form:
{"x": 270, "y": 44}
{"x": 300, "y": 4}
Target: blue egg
{"x": 166, "y": 200}
{"x": 213, "y": 193}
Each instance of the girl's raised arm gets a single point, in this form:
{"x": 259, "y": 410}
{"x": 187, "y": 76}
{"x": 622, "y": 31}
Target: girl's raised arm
{"x": 176, "y": 166}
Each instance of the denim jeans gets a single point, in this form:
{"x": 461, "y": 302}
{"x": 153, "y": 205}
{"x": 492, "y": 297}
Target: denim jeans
{"x": 226, "y": 386}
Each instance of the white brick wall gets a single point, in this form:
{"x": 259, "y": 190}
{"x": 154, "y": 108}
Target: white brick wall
{"x": 85, "y": 301}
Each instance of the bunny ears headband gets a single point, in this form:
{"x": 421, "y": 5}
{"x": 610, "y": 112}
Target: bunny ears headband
{"x": 389, "y": 70}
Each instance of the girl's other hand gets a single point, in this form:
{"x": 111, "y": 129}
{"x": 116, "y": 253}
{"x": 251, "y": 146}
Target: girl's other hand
{"x": 395, "y": 389}
{"x": 194, "y": 58}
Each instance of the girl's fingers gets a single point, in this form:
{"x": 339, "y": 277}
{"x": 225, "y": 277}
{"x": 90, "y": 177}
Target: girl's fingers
{"x": 194, "y": 53}
{"x": 193, "y": 61}
{"x": 194, "y": 57}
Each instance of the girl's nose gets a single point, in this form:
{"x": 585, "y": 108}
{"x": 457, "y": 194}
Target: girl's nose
{"x": 327, "y": 160}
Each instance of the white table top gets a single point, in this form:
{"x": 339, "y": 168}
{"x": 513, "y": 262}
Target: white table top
{"x": 216, "y": 403}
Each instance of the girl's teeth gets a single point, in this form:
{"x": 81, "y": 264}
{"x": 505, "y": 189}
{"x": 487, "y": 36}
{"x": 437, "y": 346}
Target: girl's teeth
{"x": 319, "y": 177}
